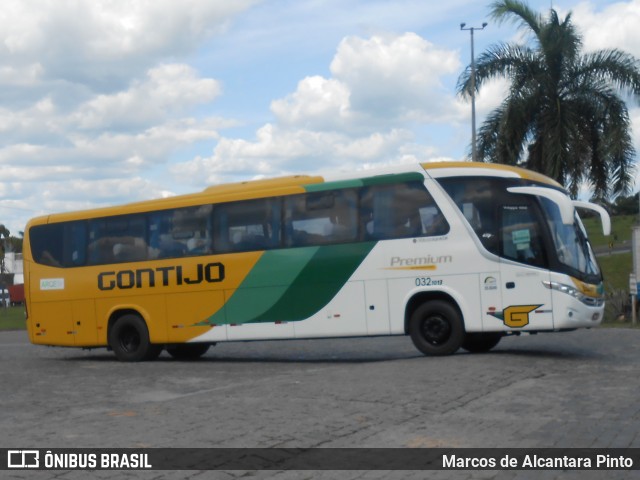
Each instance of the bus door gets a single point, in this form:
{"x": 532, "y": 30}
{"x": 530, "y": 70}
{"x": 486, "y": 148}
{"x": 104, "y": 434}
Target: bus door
{"x": 526, "y": 302}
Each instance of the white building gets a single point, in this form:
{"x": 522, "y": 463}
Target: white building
{"x": 13, "y": 264}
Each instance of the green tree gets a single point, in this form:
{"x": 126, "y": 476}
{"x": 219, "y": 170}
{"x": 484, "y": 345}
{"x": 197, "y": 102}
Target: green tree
{"x": 626, "y": 205}
{"x": 564, "y": 114}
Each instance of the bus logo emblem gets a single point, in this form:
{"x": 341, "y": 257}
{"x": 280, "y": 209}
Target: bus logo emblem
{"x": 515, "y": 316}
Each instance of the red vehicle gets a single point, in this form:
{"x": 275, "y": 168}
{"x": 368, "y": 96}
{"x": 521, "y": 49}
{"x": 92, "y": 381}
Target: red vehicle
{"x": 16, "y": 294}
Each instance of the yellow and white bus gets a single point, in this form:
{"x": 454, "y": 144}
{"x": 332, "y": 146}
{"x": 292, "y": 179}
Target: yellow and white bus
{"x": 453, "y": 254}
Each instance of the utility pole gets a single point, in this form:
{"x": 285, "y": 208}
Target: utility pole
{"x": 474, "y": 153}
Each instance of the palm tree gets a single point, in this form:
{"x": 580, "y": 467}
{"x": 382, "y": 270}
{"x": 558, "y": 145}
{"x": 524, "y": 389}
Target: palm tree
{"x": 563, "y": 114}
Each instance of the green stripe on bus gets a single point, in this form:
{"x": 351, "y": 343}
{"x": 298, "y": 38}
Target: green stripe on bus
{"x": 323, "y": 187}
{"x": 393, "y": 178}
{"x": 292, "y": 285}
{"x": 267, "y": 282}
{"x": 366, "y": 182}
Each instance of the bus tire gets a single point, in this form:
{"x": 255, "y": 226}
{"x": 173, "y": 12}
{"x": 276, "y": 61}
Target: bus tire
{"x": 481, "y": 342}
{"x": 436, "y": 328}
{"x": 129, "y": 340}
{"x": 188, "y": 351}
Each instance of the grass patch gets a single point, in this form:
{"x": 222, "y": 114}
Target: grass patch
{"x": 615, "y": 267}
{"x": 12, "y": 318}
{"x": 615, "y": 270}
{"x": 620, "y": 230}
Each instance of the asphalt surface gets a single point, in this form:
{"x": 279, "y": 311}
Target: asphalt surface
{"x": 574, "y": 389}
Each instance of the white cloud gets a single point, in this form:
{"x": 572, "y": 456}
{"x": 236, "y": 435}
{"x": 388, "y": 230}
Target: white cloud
{"x": 616, "y": 26}
{"x": 491, "y": 96}
{"x": 143, "y": 122}
{"x": 168, "y": 90}
{"x": 385, "y": 79}
{"x": 21, "y": 75}
{"x": 317, "y": 103}
{"x": 97, "y": 94}
{"x": 279, "y": 151}
{"x": 395, "y": 76}
{"x": 358, "y": 118}
{"x": 102, "y": 41}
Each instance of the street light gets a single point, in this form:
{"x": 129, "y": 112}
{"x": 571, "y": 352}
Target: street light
{"x": 474, "y": 153}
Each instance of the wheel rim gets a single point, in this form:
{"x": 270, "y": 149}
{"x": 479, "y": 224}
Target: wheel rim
{"x": 436, "y": 329}
{"x": 130, "y": 340}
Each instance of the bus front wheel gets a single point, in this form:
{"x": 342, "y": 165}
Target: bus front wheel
{"x": 129, "y": 340}
{"x": 436, "y": 328}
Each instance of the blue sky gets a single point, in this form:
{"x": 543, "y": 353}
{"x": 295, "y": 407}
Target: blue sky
{"x": 107, "y": 102}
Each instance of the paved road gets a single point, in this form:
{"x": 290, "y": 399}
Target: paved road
{"x": 576, "y": 389}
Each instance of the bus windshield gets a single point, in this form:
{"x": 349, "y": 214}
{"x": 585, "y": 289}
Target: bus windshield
{"x": 572, "y": 247}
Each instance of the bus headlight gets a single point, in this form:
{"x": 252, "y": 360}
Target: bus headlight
{"x": 575, "y": 293}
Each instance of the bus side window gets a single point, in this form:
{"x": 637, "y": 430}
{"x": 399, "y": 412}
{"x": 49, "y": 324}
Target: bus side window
{"x": 46, "y": 244}
{"x": 180, "y": 232}
{"x": 400, "y": 211}
{"x": 117, "y": 239}
{"x": 59, "y": 244}
{"x": 321, "y": 218}
{"x": 247, "y": 226}
{"x": 477, "y": 198}
{"x": 75, "y": 244}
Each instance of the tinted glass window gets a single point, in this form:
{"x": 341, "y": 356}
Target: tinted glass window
{"x": 377, "y": 212}
{"x": 245, "y": 226}
{"x": 180, "y": 232}
{"x": 47, "y": 244}
{"x": 321, "y": 218}
{"x": 520, "y": 236}
{"x": 478, "y": 200}
{"x": 400, "y": 211}
{"x": 117, "y": 239}
{"x": 507, "y": 224}
{"x": 59, "y": 244}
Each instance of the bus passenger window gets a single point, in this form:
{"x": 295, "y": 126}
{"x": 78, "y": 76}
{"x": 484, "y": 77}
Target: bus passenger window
{"x": 75, "y": 244}
{"x": 47, "y": 244}
{"x": 180, "y": 232}
{"x": 400, "y": 211}
{"x": 117, "y": 239}
{"x": 477, "y": 198}
{"x": 321, "y": 218}
{"x": 59, "y": 244}
{"x": 247, "y": 226}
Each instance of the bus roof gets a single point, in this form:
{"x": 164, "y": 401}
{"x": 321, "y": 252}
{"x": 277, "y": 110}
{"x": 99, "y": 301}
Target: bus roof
{"x": 298, "y": 184}
{"x": 446, "y": 169}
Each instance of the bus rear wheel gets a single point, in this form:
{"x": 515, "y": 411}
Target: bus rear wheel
{"x": 481, "y": 342}
{"x": 436, "y": 328}
{"x": 188, "y": 351}
{"x": 129, "y": 340}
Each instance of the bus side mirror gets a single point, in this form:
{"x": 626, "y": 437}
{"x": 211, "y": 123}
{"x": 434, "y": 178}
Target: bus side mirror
{"x": 604, "y": 215}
